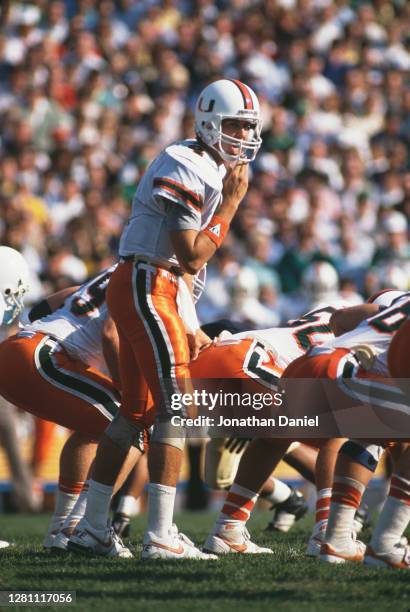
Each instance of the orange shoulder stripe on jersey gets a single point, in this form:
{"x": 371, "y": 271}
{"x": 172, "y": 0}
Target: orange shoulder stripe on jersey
{"x": 188, "y": 196}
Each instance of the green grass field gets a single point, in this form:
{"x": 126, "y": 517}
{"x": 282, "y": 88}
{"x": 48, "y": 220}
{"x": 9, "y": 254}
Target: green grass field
{"x": 285, "y": 581}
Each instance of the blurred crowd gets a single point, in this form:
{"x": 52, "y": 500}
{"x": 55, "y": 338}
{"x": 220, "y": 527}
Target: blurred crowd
{"x": 92, "y": 90}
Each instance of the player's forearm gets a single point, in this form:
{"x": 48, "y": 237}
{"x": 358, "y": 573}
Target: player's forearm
{"x": 346, "y": 319}
{"x": 195, "y": 249}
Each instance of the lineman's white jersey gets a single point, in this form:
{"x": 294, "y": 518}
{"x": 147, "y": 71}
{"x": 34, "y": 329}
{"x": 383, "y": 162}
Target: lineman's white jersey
{"x": 78, "y": 324}
{"x": 289, "y": 343}
{"x": 375, "y": 332}
{"x": 183, "y": 175}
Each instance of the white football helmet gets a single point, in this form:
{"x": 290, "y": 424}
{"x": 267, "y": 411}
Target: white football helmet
{"x": 228, "y": 99}
{"x": 385, "y": 297}
{"x": 14, "y": 277}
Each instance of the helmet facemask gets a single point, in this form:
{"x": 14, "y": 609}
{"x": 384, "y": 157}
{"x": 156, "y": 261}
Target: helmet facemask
{"x": 14, "y": 302}
{"x": 218, "y": 140}
{"x": 227, "y": 99}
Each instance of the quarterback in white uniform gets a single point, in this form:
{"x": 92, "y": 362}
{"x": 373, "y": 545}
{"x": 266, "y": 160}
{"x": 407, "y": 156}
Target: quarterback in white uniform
{"x": 180, "y": 214}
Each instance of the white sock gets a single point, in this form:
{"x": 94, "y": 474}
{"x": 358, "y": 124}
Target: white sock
{"x": 64, "y": 504}
{"x": 78, "y": 511}
{"x": 394, "y": 517}
{"x": 237, "y": 508}
{"x": 129, "y": 505}
{"x": 346, "y": 496}
{"x": 391, "y": 524}
{"x": 160, "y": 508}
{"x": 280, "y": 493}
{"x": 98, "y": 504}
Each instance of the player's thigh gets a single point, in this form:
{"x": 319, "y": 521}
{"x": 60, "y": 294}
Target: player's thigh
{"x": 52, "y": 386}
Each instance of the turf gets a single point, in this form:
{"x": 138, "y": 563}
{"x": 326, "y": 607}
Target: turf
{"x": 286, "y": 581}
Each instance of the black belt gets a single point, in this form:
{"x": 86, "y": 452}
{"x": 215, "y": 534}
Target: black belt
{"x": 173, "y": 269}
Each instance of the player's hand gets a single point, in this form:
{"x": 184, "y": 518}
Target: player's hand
{"x": 236, "y": 183}
{"x": 198, "y": 343}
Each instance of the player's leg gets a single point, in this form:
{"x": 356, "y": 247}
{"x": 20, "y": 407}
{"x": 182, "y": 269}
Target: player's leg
{"x": 324, "y": 473}
{"x": 257, "y": 464}
{"x": 165, "y": 367}
{"x": 114, "y": 457}
{"x": 229, "y": 533}
{"x": 53, "y": 386}
{"x": 385, "y": 548}
{"x": 288, "y": 503}
{"x": 302, "y": 458}
{"x": 43, "y": 439}
{"x": 356, "y": 463}
{"x": 129, "y": 501}
{"x": 153, "y": 351}
{"x": 75, "y": 460}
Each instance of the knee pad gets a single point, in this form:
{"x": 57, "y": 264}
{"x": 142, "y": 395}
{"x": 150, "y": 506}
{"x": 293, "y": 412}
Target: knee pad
{"x": 366, "y": 454}
{"x": 125, "y": 434}
{"x": 166, "y": 433}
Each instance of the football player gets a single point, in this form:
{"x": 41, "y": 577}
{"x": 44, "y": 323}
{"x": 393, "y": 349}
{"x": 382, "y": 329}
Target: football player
{"x": 259, "y": 357}
{"x": 181, "y": 212}
{"x": 62, "y": 367}
{"x": 262, "y": 456}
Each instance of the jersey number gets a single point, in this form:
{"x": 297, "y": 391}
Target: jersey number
{"x": 309, "y": 327}
{"x": 92, "y": 298}
{"x": 258, "y": 365}
{"x": 388, "y": 322}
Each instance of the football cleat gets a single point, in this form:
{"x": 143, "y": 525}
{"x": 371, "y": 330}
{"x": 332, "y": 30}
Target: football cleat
{"x": 60, "y": 543}
{"x": 361, "y": 519}
{"x": 398, "y": 558}
{"x": 354, "y": 551}
{"x": 315, "y": 542}
{"x": 176, "y": 546}
{"x": 4, "y": 544}
{"x": 288, "y": 512}
{"x": 121, "y": 524}
{"x": 105, "y": 542}
{"x": 233, "y": 540}
{"x": 49, "y": 539}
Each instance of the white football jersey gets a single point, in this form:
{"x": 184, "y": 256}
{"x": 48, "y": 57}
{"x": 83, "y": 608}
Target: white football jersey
{"x": 289, "y": 343}
{"x": 183, "y": 175}
{"x": 375, "y": 332}
{"x": 78, "y": 324}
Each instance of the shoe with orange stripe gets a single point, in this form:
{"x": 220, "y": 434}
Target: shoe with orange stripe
{"x": 398, "y": 558}
{"x": 353, "y": 552}
{"x": 236, "y": 540}
{"x": 175, "y": 546}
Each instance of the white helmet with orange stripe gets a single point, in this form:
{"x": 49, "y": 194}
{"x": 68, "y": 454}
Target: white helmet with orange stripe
{"x": 229, "y": 99}
{"x": 385, "y": 298}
